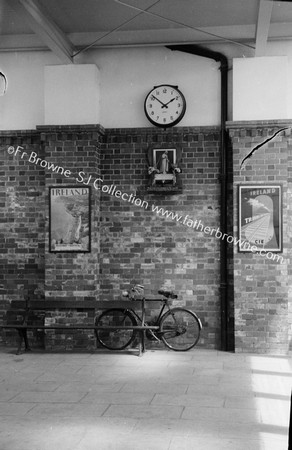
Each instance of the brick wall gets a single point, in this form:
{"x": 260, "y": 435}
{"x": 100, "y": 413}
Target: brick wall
{"x": 262, "y": 289}
{"x": 138, "y": 245}
{"x": 131, "y": 243}
{"x": 27, "y": 266}
{"x": 22, "y": 218}
{"x": 73, "y": 276}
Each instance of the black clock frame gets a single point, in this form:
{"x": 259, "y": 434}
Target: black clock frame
{"x": 175, "y": 122}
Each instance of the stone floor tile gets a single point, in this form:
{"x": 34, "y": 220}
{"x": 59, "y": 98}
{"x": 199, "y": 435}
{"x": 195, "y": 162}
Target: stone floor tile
{"x": 41, "y": 437}
{"x": 204, "y": 380}
{"x": 48, "y": 397}
{"x": 155, "y": 387}
{"x": 133, "y": 442}
{"x": 142, "y": 412}
{"x": 6, "y": 395}
{"x": 68, "y": 410}
{"x": 30, "y": 386}
{"x": 221, "y": 390}
{"x": 170, "y": 378}
{"x": 242, "y": 430}
{"x": 187, "y": 400}
{"x": 118, "y": 398}
{"x": 21, "y": 378}
{"x": 101, "y": 370}
{"x": 240, "y": 402}
{"x": 173, "y": 427}
{"x": 70, "y": 377}
{"x": 230, "y": 415}
{"x": 15, "y": 409}
{"x": 212, "y": 443}
{"x": 88, "y": 387}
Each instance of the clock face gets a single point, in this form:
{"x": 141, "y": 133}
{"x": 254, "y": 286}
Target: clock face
{"x": 165, "y": 106}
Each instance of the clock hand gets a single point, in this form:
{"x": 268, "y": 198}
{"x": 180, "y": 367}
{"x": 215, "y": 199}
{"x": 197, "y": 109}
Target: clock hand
{"x": 163, "y": 104}
{"x": 169, "y": 102}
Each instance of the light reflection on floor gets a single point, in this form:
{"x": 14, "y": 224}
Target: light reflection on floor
{"x": 272, "y": 384}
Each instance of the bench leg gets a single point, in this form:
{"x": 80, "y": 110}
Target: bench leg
{"x": 22, "y": 336}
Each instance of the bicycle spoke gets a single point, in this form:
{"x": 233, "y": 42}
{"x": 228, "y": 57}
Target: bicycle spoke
{"x": 180, "y": 329}
{"x": 115, "y": 339}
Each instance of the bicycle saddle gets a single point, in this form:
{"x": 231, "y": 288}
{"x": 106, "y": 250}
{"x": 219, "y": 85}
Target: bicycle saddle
{"x": 166, "y": 293}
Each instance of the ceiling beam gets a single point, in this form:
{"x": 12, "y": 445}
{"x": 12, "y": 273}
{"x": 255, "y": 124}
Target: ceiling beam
{"x": 240, "y": 33}
{"x": 40, "y": 22}
{"x": 263, "y": 25}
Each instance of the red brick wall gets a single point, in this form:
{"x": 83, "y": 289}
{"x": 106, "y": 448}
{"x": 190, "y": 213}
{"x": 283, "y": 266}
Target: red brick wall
{"x": 22, "y": 216}
{"x": 73, "y": 275}
{"x": 130, "y": 243}
{"x": 140, "y": 246}
{"x": 27, "y": 267}
{"x": 262, "y": 286}
{"x": 22, "y": 219}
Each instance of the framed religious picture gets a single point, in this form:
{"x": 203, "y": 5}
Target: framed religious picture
{"x": 69, "y": 219}
{"x": 260, "y": 218}
{"x": 164, "y": 169}
{"x": 164, "y": 159}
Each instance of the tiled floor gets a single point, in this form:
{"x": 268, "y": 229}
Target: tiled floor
{"x": 202, "y": 400}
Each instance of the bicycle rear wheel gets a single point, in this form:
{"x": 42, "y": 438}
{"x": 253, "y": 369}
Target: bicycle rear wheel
{"x": 180, "y": 329}
{"x": 115, "y": 339}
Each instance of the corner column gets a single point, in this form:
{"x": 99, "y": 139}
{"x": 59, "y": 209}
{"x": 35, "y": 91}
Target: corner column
{"x": 262, "y": 279}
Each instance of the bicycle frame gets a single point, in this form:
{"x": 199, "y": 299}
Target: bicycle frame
{"x": 163, "y": 307}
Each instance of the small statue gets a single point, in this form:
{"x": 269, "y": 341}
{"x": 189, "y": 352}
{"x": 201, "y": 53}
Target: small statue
{"x": 163, "y": 163}
{"x": 164, "y": 171}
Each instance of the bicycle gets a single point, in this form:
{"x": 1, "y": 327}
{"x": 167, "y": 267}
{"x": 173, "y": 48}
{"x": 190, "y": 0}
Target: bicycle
{"x": 178, "y": 328}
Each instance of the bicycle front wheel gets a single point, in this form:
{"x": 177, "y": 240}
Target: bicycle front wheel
{"x": 116, "y": 339}
{"x": 180, "y": 329}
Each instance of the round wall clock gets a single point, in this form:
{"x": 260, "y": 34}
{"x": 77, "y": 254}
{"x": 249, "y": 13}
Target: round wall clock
{"x": 165, "y": 105}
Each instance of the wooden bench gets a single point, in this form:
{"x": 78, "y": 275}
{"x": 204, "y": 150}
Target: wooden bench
{"x": 25, "y": 315}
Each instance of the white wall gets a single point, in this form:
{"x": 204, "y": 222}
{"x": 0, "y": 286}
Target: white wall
{"x": 261, "y": 88}
{"x": 126, "y": 76}
{"x": 22, "y": 107}
{"x": 72, "y": 94}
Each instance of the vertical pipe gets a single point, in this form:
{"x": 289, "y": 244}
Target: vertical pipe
{"x": 200, "y": 51}
{"x": 223, "y": 215}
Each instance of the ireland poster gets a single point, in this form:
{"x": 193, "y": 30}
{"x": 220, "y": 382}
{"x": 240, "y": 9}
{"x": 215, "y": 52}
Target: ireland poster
{"x": 260, "y": 218}
{"x": 69, "y": 219}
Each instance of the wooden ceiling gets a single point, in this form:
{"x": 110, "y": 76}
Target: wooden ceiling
{"x": 69, "y": 27}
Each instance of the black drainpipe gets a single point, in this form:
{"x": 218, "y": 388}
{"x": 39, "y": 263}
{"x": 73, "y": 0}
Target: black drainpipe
{"x": 219, "y": 57}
